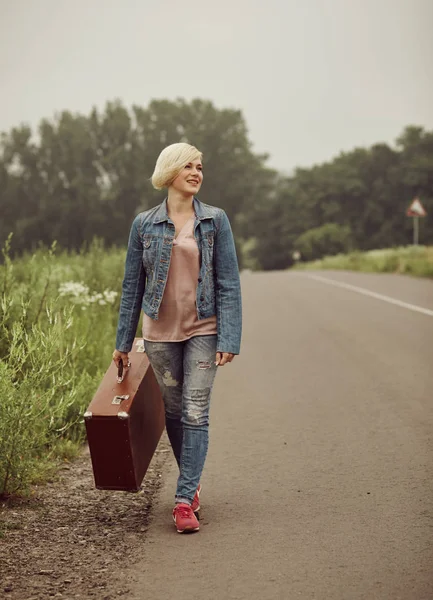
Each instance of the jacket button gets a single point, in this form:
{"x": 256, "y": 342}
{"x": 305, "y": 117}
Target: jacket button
{"x": 202, "y": 298}
{"x": 200, "y": 279}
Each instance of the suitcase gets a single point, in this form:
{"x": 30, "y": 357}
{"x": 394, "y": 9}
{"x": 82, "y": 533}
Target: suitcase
{"x": 124, "y": 423}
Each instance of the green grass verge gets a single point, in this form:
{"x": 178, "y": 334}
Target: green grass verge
{"x": 58, "y": 318}
{"x": 410, "y": 260}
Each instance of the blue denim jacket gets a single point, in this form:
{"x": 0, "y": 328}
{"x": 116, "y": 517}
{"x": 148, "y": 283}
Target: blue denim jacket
{"x": 146, "y": 270}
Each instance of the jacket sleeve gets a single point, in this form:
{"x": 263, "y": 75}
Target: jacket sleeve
{"x": 227, "y": 289}
{"x": 132, "y": 290}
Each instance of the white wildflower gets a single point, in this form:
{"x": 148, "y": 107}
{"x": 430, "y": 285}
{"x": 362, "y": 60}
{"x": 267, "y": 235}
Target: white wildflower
{"x": 76, "y": 289}
{"x": 79, "y": 293}
{"x": 110, "y": 296}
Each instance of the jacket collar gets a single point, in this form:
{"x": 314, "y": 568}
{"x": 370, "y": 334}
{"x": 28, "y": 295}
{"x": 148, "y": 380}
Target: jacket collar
{"x": 200, "y": 209}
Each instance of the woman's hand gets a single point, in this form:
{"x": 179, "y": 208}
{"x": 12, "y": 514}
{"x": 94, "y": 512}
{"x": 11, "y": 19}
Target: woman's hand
{"x": 121, "y": 356}
{"x": 223, "y": 357}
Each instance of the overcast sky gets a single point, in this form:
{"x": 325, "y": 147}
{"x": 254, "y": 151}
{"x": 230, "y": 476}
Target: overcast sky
{"x": 312, "y": 77}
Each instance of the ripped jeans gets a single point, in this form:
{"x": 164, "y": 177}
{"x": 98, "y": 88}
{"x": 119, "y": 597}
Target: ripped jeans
{"x": 185, "y": 372}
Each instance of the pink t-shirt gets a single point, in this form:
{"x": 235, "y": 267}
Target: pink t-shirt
{"x": 177, "y": 319}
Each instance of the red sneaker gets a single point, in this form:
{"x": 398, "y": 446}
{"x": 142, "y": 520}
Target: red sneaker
{"x": 196, "y": 502}
{"x": 184, "y": 518}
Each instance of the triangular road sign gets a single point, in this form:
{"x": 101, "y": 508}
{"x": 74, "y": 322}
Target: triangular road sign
{"x": 416, "y": 209}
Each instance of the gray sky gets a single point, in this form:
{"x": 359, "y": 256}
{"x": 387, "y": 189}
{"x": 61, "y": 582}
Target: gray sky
{"x": 312, "y": 77}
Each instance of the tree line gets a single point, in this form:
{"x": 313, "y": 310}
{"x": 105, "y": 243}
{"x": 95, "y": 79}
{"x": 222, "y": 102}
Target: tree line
{"x": 81, "y": 176}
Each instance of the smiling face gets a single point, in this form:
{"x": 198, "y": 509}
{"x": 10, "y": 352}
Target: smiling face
{"x": 189, "y": 180}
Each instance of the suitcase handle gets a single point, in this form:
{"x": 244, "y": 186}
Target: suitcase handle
{"x": 120, "y": 374}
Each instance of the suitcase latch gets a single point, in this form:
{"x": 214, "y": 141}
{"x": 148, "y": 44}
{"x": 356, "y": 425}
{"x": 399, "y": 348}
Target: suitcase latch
{"x": 118, "y": 399}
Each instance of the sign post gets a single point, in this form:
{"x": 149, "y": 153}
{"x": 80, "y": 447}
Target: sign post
{"x": 416, "y": 210}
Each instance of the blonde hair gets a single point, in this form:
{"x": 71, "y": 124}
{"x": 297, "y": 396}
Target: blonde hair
{"x": 170, "y": 163}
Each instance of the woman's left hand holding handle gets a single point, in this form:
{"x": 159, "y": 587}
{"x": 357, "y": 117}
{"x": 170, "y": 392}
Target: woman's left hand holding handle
{"x": 121, "y": 357}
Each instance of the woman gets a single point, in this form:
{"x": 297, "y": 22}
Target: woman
{"x": 181, "y": 268}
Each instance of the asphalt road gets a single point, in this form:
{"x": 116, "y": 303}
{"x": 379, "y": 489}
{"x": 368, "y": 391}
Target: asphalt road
{"x": 319, "y": 478}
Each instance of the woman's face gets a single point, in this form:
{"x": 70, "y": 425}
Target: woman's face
{"x": 189, "y": 180}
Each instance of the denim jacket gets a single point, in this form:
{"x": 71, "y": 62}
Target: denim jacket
{"x": 146, "y": 271}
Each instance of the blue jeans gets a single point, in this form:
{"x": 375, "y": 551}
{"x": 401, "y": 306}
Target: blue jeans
{"x": 185, "y": 372}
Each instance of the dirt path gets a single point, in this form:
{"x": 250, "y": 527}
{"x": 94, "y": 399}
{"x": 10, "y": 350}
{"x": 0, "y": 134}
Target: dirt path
{"x": 70, "y": 540}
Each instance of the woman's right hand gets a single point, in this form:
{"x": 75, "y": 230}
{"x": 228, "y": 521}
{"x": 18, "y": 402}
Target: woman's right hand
{"x": 121, "y": 356}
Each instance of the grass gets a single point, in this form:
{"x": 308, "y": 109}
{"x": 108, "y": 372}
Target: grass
{"x": 410, "y": 260}
{"x": 58, "y": 318}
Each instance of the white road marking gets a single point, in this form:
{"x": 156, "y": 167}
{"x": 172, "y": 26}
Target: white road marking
{"x": 360, "y": 290}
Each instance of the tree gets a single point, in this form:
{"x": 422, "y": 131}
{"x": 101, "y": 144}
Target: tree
{"x": 88, "y": 176}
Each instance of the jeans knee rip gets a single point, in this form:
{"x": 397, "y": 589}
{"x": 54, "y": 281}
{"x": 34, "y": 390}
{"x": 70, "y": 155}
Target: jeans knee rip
{"x": 169, "y": 380}
{"x": 196, "y": 413}
{"x": 195, "y": 418}
{"x": 203, "y": 364}
{"x": 200, "y": 396}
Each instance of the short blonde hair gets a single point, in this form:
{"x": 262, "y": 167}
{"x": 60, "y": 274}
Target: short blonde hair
{"x": 170, "y": 163}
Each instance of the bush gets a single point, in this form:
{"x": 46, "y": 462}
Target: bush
{"x": 326, "y": 240}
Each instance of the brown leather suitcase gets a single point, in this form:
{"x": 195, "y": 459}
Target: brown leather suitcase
{"x": 124, "y": 423}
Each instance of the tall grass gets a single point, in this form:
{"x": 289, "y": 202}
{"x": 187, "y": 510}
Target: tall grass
{"x": 58, "y": 315}
{"x": 411, "y": 260}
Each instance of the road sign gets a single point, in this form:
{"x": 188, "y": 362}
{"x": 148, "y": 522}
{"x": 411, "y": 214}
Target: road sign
{"x": 416, "y": 209}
